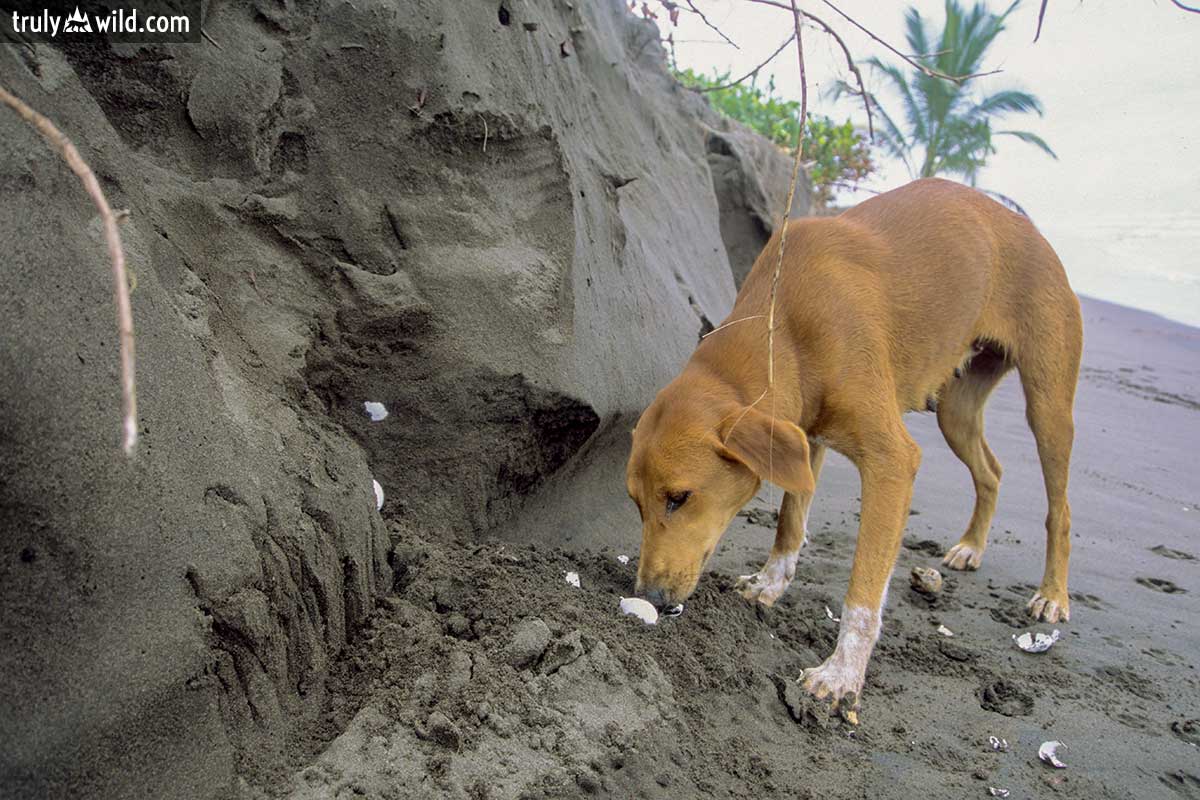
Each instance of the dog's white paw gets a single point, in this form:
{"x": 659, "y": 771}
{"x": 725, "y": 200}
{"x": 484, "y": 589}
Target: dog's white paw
{"x": 834, "y": 681}
{"x": 839, "y": 680}
{"x": 1045, "y": 609}
{"x": 769, "y": 583}
{"x": 834, "y": 688}
{"x": 963, "y": 556}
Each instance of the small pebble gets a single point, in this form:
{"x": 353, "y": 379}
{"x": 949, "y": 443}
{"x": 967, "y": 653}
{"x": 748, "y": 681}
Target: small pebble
{"x": 926, "y": 580}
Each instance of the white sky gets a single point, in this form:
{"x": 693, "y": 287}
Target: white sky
{"x": 1120, "y": 82}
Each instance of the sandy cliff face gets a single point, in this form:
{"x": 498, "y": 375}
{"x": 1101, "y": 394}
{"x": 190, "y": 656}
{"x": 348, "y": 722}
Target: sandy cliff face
{"x": 498, "y": 220}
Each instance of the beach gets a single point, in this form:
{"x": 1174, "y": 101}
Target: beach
{"x": 706, "y": 704}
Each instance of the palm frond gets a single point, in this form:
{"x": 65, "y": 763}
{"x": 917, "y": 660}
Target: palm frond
{"x": 1031, "y": 138}
{"x": 1010, "y": 101}
{"x": 914, "y": 110}
{"x": 914, "y": 24}
{"x": 1007, "y": 201}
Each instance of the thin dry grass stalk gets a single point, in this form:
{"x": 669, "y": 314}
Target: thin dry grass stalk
{"x": 787, "y": 209}
{"x": 787, "y": 213}
{"x": 116, "y": 253}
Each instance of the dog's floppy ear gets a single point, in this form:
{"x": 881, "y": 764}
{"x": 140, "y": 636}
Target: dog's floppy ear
{"x": 777, "y": 453}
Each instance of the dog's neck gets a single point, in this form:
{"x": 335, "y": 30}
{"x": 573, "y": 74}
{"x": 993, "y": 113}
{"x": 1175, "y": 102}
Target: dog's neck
{"x": 742, "y": 379}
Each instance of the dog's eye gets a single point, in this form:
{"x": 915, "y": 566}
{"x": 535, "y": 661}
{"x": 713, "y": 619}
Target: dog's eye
{"x": 676, "y": 499}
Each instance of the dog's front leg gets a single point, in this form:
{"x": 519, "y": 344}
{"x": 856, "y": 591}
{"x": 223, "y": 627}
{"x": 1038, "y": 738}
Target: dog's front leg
{"x": 887, "y": 480}
{"x": 769, "y": 583}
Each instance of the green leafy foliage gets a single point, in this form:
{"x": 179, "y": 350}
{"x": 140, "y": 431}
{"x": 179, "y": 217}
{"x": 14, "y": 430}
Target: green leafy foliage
{"x": 837, "y": 155}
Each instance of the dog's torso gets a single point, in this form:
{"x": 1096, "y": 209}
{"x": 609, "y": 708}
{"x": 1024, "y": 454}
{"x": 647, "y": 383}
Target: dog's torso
{"x": 893, "y": 295}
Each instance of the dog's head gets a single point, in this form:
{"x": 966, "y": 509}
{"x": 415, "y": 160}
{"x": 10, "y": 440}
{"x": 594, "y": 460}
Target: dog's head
{"x": 695, "y": 462}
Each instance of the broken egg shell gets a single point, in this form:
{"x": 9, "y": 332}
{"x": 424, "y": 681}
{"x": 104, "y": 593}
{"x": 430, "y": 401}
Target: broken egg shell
{"x": 642, "y": 609}
{"x": 673, "y": 611}
{"x": 624, "y": 559}
{"x": 926, "y": 580}
{"x": 573, "y": 579}
{"x": 1036, "y": 642}
{"x": 829, "y": 614}
{"x": 378, "y": 495}
{"x": 944, "y": 631}
{"x": 376, "y": 411}
{"x": 1048, "y": 752}
{"x": 995, "y": 792}
{"x": 998, "y": 744}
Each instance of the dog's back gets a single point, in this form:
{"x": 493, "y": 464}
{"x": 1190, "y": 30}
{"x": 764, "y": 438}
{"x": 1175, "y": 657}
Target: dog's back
{"x": 921, "y": 274}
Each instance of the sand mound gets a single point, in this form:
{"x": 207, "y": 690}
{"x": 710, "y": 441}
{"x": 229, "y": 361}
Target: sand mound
{"x": 500, "y": 226}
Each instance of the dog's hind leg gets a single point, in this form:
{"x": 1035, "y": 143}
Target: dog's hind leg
{"x": 1049, "y": 397}
{"x": 769, "y": 583}
{"x": 960, "y": 416}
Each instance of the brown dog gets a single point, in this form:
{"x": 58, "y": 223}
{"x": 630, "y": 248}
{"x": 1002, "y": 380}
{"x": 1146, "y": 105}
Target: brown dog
{"x": 923, "y": 296}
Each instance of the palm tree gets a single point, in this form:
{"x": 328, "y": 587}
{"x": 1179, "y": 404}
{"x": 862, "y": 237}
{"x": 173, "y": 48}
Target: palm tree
{"x": 948, "y": 128}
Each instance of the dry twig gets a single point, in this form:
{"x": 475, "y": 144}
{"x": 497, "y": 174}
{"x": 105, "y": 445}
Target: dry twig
{"x": 787, "y": 213}
{"x": 1041, "y": 16}
{"x": 116, "y": 253}
{"x": 913, "y": 62}
{"x": 787, "y": 209}
{"x": 752, "y": 73}
{"x": 862, "y": 87}
{"x": 692, "y": 6}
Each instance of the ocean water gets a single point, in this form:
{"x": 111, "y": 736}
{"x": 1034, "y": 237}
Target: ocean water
{"x": 1149, "y": 261}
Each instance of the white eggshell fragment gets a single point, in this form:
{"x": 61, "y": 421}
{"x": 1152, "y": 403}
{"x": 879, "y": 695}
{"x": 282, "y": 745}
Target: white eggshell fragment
{"x": 623, "y": 559}
{"x": 673, "y": 611}
{"x": 376, "y": 411}
{"x": 1036, "y": 643}
{"x": 573, "y": 579}
{"x": 378, "y": 495}
{"x": 994, "y": 792}
{"x": 829, "y": 614}
{"x": 642, "y": 609}
{"x": 1048, "y": 752}
{"x": 944, "y": 631}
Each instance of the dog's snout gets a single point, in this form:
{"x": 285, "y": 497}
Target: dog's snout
{"x": 656, "y": 596}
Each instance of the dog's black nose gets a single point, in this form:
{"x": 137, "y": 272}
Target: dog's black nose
{"x": 656, "y": 597}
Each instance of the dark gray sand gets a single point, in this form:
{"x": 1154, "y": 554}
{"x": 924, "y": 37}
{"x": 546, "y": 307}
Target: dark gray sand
{"x": 487, "y": 675}
{"x": 510, "y": 228}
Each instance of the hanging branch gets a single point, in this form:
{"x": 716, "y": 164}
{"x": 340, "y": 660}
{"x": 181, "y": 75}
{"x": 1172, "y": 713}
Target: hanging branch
{"x": 116, "y": 253}
{"x": 751, "y": 74}
{"x": 862, "y": 87}
{"x": 704, "y": 19}
{"x": 1041, "y": 16}
{"x": 910, "y": 60}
